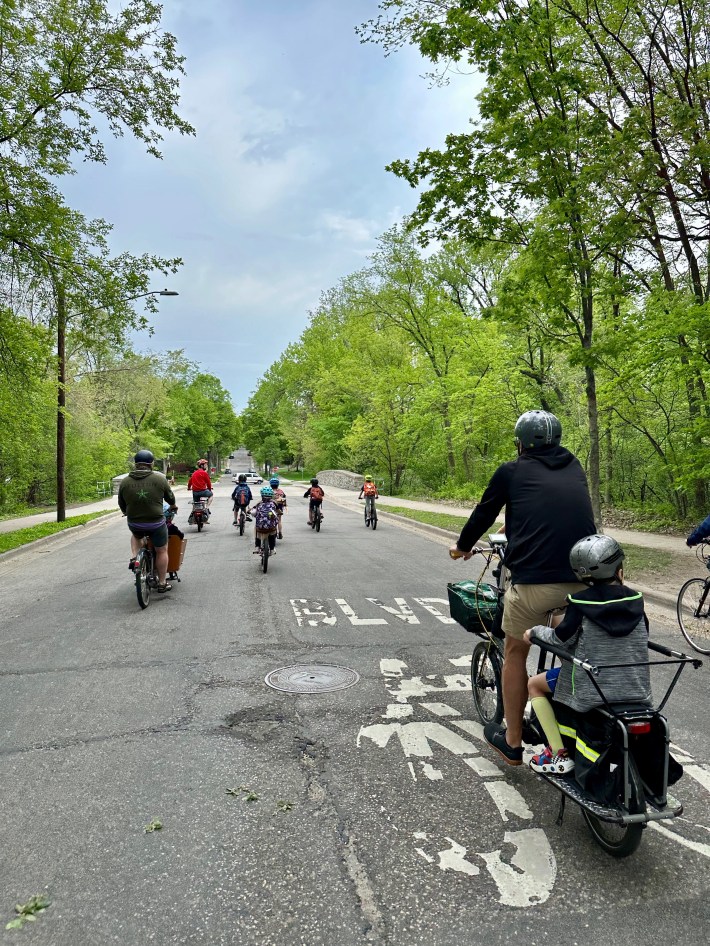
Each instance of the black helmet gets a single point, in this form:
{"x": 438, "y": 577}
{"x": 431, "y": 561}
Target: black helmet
{"x": 143, "y": 456}
{"x": 537, "y": 429}
{"x": 314, "y": 482}
{"x": 596, "y": 557}
{"x": 242, "y": 477}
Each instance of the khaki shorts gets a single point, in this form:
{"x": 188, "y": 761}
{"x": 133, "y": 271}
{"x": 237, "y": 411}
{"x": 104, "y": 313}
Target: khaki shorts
{"x": 527, "y": 605}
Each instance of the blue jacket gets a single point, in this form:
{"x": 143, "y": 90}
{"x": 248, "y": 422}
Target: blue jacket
{"x": 700, "y": 533}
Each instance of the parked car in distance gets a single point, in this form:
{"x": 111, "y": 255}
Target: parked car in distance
{"x": 253, "y": 477}
{"x": 228, "y": 471}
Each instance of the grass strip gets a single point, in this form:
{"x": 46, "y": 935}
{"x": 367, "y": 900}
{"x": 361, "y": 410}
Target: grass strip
{"x": 641, "y": 563}
{"x": 18, "y": 537}
{"x": 441, "y": 519}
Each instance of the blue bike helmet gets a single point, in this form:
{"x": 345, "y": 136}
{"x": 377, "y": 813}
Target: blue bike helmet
{"x": 274, "y": 481}
{"x": 266, "y": 492}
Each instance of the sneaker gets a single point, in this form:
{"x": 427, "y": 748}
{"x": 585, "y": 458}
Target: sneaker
{"x": 248, "y": 518}
{"x": 131, "y": 564}
{"x": 280, "y": 536}
{"x": 256, "y": 552}
{"x": 559, "y": 764}
{"x": 495, "y": 737}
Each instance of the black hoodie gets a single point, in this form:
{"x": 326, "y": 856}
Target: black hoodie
{"x": 547, "y": 510}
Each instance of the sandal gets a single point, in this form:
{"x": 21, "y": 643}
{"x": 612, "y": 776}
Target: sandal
{"x": 163, "y": 588}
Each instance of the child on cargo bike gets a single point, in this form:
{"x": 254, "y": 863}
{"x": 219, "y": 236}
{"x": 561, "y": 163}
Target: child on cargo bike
{"x": 605, "y": 626}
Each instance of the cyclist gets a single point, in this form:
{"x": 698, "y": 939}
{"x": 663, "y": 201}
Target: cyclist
{"x": 140, "y": 498}
{"x": 606, "y": 625}
{"x": 241, "y": 497}
{"x": 315, "y": 494}
{"x": 266, "y": 519}
{"x": 547, "y": 510}
{"x": 699, "y": 533}
{"x": 280, "y": 501}
{"x": 201, "y": 484}
{"x": 169, "y": 513}
{"x": 369, "y": 489}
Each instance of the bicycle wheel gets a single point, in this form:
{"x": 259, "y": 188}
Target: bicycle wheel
{"x": 620, "y": 840}
{"x": 143, "y": 572}
{"x": 265, "y": 552}
{"x": 486, "y": 666}
{"x": 693, "y": 609}
{"x": 200, "y": 523}
{"x": 318, "y": 518}
{"x": 373, "y": 522}
{"x": 242, "y": 520}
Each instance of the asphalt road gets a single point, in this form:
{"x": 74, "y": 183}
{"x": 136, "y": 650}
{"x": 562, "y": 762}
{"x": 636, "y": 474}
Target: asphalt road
{"x": 379, "y": 814}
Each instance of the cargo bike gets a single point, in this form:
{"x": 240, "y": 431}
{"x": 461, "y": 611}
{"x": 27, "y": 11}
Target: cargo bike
{"x": 623, "y": 764}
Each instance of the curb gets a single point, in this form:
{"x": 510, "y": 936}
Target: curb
{"x": 55, "y": 536}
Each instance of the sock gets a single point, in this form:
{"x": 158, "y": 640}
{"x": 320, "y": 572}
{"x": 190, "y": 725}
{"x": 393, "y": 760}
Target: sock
{"x": 546, "y": 714}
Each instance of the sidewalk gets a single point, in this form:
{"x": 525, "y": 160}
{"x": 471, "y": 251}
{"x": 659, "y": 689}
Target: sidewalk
{"x": 24, "y": 522}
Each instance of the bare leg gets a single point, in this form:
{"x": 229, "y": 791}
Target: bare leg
{"x": 161, "y": 563}
{"x": 515, "y": 688}
{"x": 135, "y": 545}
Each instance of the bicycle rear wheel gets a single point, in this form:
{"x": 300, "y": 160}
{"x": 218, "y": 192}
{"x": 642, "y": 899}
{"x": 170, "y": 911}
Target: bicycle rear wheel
{"x": 693, "y": 609}
{"x": 486, "y": 683}
{"x": 620, "y": 840}
{"x": 143, "y": 571}
{"x": 373, "y": 522}
{"x": 242, "y": 520}
{"x": 265, "y": 552}
{"x": 318, "y": 518}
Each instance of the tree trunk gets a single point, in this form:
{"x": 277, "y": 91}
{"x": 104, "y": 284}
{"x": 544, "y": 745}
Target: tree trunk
{"x": 61, "y": 401}
{"x": 593, "y": 417}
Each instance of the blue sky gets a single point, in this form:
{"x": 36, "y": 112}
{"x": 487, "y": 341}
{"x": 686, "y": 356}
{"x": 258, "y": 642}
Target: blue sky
{"x": 283, "y": 190}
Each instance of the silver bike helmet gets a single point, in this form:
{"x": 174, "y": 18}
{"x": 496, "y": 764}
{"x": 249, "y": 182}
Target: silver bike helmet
{"x": 596, "y": 557}
{"x": 537, "y": 429}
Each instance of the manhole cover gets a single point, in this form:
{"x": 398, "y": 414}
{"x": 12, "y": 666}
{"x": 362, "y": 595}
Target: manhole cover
{"x": 311, "y": 679}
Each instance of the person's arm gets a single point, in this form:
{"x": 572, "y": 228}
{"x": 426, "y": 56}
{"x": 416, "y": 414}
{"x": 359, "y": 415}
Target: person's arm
{"x": 189, "y": 483}
{"x": 121, "y": 501}
{"x": 168, "y": 494}
{"x": 700, "y": 533}
{"x": 484, "y": 515}
{"x": 307, "y": 493}
{"x": 361, "y": 491}
{"x": 209, "y": 481}
{"x": 564, "y": 635}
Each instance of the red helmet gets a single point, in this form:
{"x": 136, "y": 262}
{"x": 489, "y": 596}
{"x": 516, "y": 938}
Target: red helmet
{"x": 202, "y": 462}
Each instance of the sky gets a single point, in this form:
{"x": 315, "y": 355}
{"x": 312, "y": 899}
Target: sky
{"x": 283, "y": 191}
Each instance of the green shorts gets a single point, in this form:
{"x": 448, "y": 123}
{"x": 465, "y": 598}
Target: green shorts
{"x": 524, "y": 606}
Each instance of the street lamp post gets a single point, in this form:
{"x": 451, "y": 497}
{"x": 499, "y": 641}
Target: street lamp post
{"x": 62, "y": 320}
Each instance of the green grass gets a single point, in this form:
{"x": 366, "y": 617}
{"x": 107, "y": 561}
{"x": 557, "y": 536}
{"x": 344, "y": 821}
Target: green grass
{"x": 441, "y": 519}
{"x": 641, "y": 562}
{"x": 13, "y": 540}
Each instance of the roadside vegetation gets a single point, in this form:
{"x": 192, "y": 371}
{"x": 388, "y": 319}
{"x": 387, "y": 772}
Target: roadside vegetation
{"x": 18, "y": 537}
{"x": 557, "y": 259}
{"x": 76, "y": 400}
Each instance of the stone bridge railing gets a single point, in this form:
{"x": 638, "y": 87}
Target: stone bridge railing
{"x": 344, "y": 479}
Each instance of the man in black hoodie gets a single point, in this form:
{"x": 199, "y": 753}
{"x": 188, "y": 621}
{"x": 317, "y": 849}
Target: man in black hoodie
{"x": 547, "y": 510}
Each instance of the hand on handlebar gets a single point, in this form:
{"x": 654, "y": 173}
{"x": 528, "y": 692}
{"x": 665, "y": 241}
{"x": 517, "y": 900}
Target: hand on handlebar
{"x": 455, "y": 552}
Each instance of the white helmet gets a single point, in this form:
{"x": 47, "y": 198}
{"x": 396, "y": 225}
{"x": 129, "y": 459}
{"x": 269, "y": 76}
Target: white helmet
{"x": 596, "y": 557}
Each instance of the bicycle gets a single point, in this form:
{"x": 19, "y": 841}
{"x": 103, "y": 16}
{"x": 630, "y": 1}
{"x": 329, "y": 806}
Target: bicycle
{"x": 370, "y": 512}
{"x": 478, "y": 607}
{"x": 317, "y": 518}
{"x": 144, "y": 571}
{"x": 693, "y": 606}
{"x": 241, "y": 520}
{"x": 264, "y": 549}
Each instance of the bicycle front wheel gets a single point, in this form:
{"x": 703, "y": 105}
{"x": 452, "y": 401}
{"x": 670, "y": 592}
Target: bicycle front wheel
{"x": 318, "y": 524}
{"x": 265, "y": 552}
{"x": 143, "y": 571}
{"x": 693, "y": 609}
{"x": 486, "y": 683}
{"x": 241, "y": 525}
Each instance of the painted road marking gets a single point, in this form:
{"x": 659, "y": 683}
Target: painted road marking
{"x": 312, "y": 612}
